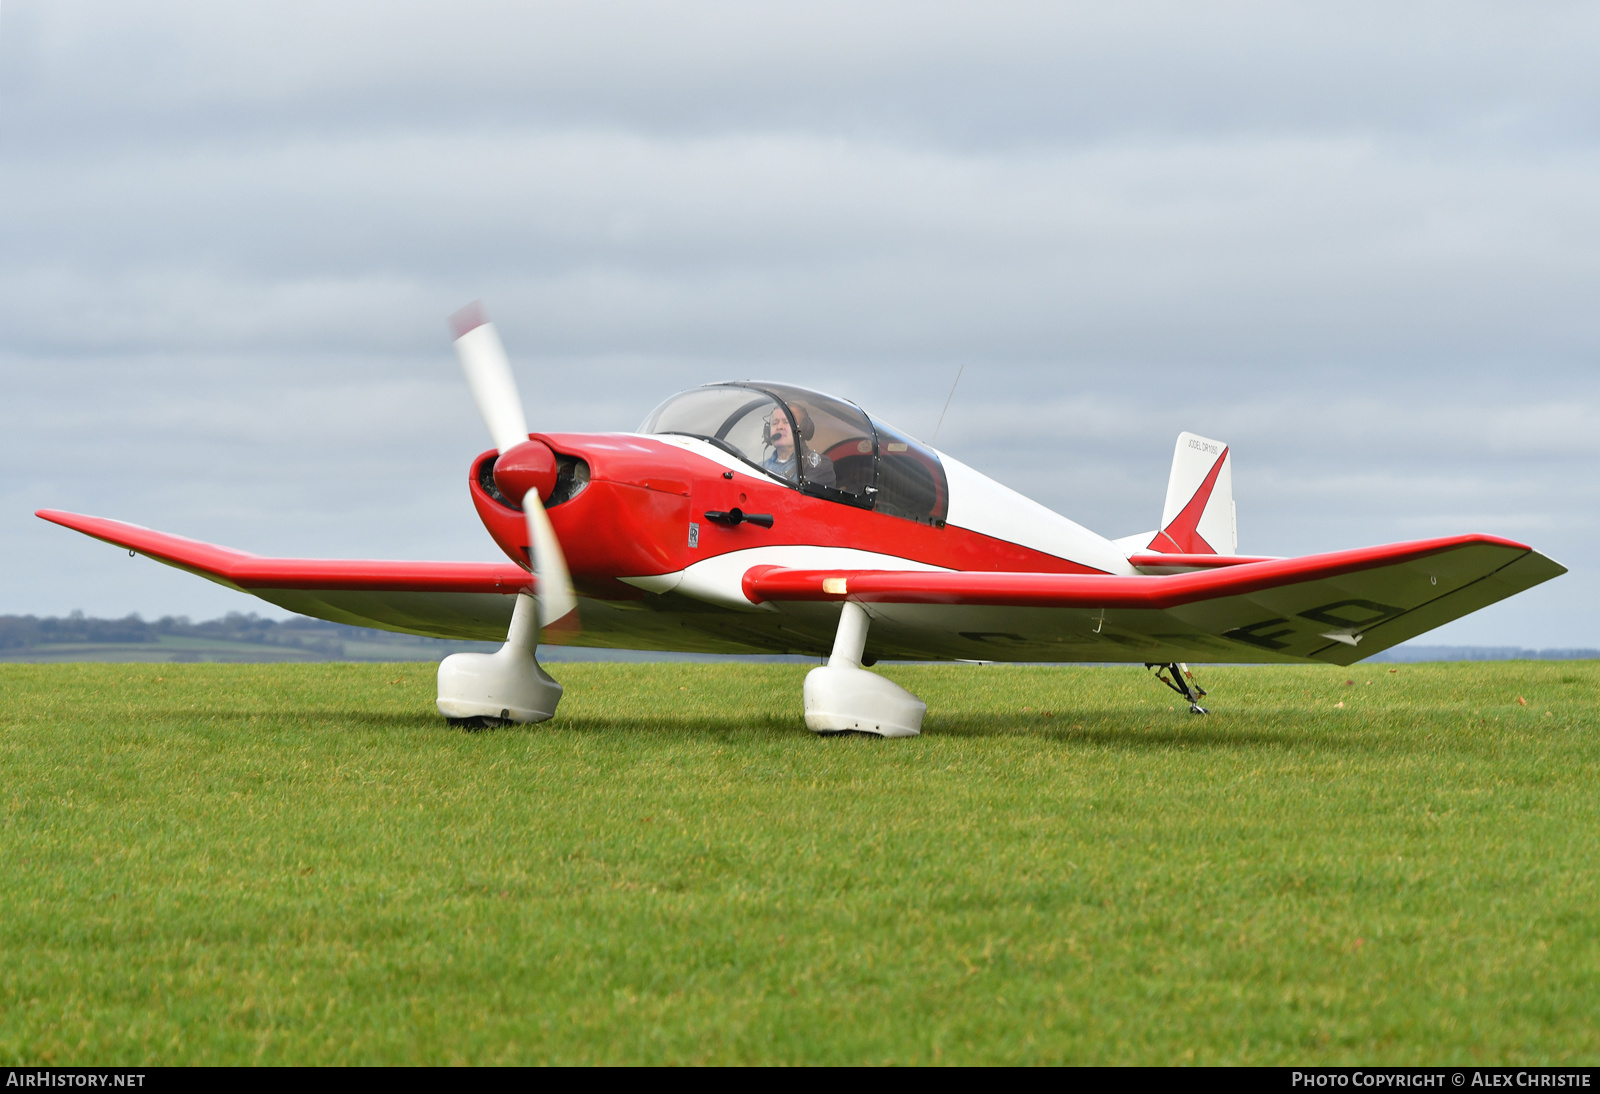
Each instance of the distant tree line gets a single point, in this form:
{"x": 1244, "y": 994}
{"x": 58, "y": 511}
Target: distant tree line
{"x": 1407, "y": 654}
{"x": 312, "y": 635}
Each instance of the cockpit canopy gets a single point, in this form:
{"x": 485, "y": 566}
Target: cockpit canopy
{"x": 818, "y": 444}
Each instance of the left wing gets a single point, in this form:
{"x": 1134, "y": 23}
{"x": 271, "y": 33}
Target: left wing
{"x": 437, "y": 599}
{"x": 1337, "y": 607}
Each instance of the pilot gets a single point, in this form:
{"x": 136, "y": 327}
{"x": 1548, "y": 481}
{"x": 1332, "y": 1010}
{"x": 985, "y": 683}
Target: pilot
{"x": 780, "y": 437}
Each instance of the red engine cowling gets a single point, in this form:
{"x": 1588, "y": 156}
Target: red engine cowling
{"x": 626, "y": 514}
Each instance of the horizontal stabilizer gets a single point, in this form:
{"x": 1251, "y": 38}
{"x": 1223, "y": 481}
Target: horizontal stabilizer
{"x": 1174, "y": 563}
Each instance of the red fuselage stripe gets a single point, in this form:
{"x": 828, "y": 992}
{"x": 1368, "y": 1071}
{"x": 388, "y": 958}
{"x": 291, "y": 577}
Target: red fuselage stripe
{"x": 633, "y": 518}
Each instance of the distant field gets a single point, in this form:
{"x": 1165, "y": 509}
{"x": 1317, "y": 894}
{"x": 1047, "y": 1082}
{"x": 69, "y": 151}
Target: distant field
{"x": 300, "y": 863}
{"x": 347, "y": 644}
{"x": 167, "y": 648}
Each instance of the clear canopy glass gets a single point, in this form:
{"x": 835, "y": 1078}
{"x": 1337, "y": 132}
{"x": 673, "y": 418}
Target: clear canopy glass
{"x": 820, "y": 444}
{"x": 730, "y": 416}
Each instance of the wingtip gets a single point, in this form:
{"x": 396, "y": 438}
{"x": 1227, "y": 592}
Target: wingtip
{"x": 468, "y": 319}
{"x": 81, "y": 522}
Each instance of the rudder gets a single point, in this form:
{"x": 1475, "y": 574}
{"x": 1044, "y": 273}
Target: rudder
{"x": 1198, "y": 517}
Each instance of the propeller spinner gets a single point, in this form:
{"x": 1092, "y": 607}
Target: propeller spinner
{"x": 529, "y": 466}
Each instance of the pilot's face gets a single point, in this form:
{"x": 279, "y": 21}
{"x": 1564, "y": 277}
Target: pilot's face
{"x": 780, "y": 433}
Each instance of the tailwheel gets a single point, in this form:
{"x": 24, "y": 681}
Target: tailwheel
{"x": 1176, "y": 675}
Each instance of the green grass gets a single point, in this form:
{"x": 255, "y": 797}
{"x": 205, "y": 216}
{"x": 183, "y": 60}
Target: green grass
{"x": 291, "y": 864}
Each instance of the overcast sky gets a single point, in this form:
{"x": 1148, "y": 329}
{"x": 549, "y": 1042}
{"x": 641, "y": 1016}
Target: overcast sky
{"x": 1359, "y": 243}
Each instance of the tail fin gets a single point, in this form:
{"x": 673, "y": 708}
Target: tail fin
{"x": 1198, "y": 518}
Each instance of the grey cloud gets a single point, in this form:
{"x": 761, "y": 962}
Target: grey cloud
{"x": 941, "y": 72}
{"x": 1303, "y": 251}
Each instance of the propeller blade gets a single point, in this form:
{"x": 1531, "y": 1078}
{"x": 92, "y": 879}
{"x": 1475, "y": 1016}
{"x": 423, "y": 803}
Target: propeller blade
{"x": 554, "y": 593}
{"x": 494, "y": 389}
{"x": 488, "y": 371}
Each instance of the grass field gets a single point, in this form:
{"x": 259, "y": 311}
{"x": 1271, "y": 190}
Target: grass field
{"x": 236, "y": 864}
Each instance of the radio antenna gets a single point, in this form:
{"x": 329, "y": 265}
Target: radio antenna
{"x": 946, "y": 409}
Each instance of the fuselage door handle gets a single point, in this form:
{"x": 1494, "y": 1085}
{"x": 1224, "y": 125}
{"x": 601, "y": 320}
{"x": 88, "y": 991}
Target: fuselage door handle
{"x": 735, "y": 517}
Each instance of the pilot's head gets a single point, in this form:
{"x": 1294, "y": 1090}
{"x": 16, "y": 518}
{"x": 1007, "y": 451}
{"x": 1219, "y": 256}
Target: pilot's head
{"x": 780, "y": 435}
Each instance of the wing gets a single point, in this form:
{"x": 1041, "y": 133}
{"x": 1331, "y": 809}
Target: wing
{"x": 438, "y": 599}
{"x": 1336, "y": 607}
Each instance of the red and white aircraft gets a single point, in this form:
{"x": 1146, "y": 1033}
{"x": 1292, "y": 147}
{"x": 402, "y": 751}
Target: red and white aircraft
{"x": 766, "y": 518}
